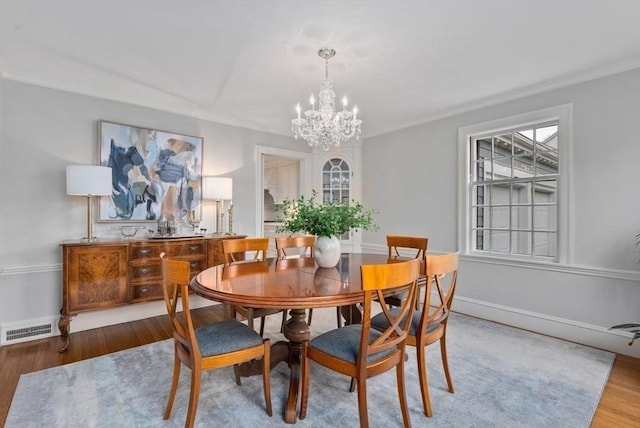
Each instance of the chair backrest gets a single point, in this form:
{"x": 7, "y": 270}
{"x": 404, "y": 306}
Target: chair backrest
{"x": 176, "y": 275}
{"x": 417, "y": 243}
{"x": 304, "y": 244}
{"x": 235, "y": 270}
{"x": 376, "y": 279}
{"x": 257, "y": 246}
{"x": 441, "y": 271}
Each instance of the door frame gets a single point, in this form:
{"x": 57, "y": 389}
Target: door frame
{"x": 305, "y": 161}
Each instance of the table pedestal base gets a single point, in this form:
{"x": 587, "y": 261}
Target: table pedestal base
{"x": 296, "y": 330}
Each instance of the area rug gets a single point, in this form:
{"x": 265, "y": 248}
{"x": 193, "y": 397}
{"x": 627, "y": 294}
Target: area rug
{"x": 503, "y": 377}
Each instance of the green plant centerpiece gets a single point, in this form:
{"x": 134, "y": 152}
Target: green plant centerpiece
{"x": 326, "y": 221}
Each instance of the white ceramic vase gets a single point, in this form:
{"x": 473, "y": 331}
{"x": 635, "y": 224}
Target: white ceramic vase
{"x": 327, "y": 251}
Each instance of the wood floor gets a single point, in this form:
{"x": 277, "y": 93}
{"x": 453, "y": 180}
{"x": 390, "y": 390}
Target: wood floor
{"x": 619, "y": 406}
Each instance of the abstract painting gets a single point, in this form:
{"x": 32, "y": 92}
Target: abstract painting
{"x": 154, "y": 174}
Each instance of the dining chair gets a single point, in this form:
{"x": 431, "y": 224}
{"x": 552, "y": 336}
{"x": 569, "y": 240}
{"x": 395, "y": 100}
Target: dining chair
{"x": 359, "y": 351}
{"x": 215, "y": 345}
{"x": 430, "y": 324}
{"x": 288, "y": 247}
{"x": 254, "y": 250}
{"x": 400, "y": 247}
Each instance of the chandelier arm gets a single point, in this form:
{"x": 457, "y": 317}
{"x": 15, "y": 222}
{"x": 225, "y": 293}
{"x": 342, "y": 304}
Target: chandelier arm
{"x": 324, "y": 127}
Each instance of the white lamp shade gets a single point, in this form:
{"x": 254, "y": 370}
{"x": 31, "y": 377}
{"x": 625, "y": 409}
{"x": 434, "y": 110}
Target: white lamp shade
{"x": 86, "y": 180}
{"x": 218, "y": 188}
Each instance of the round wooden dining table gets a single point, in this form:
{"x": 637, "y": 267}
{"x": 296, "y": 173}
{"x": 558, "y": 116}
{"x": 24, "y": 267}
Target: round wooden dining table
{"x": 296, "y": 284}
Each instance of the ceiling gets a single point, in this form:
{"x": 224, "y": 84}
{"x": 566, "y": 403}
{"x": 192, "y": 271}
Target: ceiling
{"x": 248, "y": 63}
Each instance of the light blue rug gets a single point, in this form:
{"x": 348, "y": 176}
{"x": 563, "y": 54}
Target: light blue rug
{"x": 503, "y": 377}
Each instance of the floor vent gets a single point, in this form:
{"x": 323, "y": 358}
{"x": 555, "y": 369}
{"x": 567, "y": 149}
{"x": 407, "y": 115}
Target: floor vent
{"x": 24, "y": 331}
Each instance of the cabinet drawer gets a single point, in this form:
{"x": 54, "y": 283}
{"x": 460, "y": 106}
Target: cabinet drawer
{"x": 152, "y": 250}
{"x": 145, "y": 271}
{"x": 149, "y": 291}
{"x": 153, "y": 269}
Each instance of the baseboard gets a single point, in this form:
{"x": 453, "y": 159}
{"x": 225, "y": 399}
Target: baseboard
{"x": 585, "y": 334}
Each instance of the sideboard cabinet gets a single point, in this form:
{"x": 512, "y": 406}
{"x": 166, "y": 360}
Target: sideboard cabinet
{"x": 107, "y": 273}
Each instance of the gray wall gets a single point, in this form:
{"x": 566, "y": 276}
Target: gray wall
{"x": 43, "y": 131}
{"x": 417, "y": 193}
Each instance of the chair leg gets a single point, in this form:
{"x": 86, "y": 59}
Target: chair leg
{"x": 262, "y": 326}
{"x": 236, "y": 372}
{"x": 352, "y": 385}
{"x": 445, "y": 361}
{"x": 309, "y": 317}
{"x": 266, "y": 376}
{"x": 338, "y": 316}
{"x": 305, "y": 373}
{"x": 193, "y": 397}
{"x": 402, "y": 393}
{"x": 424, "y": 382}
{"x": 174, "y": 385}
{"x": 284, "y": 320}
{"x": 362, "y": 401}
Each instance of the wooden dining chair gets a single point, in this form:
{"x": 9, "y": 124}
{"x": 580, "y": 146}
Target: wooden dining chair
{"x": 359, "y": 351}
{"x": 401, "y": 247}
{"x": 211, "y": 346}
{"x": 254, "y": 250}
{"x": 430, "y": 325}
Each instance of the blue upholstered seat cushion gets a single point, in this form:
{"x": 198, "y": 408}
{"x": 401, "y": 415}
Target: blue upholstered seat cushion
{"x": 225, "y": 336}
{"x": 344, "y": 343}
{"x": 380, "y": 322}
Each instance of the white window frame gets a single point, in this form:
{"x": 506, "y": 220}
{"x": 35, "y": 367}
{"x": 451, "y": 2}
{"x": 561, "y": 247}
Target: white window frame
{"x": 564, "y": 115}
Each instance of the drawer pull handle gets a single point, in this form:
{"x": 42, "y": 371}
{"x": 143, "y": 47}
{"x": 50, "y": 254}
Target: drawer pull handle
{"x": 194, "y": 265}
{"x": 144, "y": 251}
{"x": 144, "y": 271}
{"x": 143, "y": 290}
{"x": 194, "y": 248}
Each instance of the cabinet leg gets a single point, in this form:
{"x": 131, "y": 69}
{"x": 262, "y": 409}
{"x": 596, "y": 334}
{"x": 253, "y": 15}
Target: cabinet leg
{"x": 63, "y": 326}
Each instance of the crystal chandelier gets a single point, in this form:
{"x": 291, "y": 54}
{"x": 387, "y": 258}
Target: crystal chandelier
{"x": 324, "y": 126}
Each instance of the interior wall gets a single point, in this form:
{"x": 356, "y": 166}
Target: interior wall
{"x": 416, "y": 193}
{"x": 44, "y": 130}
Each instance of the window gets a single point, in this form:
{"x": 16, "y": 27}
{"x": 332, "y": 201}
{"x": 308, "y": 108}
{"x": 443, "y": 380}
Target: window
{"x": 515, "y": 188}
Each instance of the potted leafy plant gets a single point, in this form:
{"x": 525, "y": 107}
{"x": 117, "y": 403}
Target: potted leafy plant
{"x": 632, "y": 327}
{"x": 326, "y": 221}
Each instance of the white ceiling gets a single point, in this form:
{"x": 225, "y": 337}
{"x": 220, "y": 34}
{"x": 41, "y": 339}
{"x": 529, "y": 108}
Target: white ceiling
{"x": 247, "y": 63}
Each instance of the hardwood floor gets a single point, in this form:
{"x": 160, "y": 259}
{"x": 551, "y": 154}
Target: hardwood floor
{"x": 619, "y": 405}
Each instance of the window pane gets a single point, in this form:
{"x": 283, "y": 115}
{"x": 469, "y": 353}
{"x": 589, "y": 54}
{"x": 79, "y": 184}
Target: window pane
{"x": 521, "y": 217}
{"x": 544, "y": 218}
{"x": 480, "y": 196}
{"x": 482, "y": 170}
{"x": 545, "y": 244}
{"x": 502, "y": 168}
{"x": 522, "y": 166}
{"x": 521, "y": 243}
{"x": 500, "y": 194}
{"x": 502, "y": 145}
{"x": 521, "y": 193}
{"x": 500, "y": 217}
{"x": 499, "y": 241}
{"x": 545, "y": 192}
{"x": 480, "y": 243}
{"x": 479, "y": 218}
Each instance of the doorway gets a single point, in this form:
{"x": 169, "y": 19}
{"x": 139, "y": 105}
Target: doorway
{"x": 283, "y": 174}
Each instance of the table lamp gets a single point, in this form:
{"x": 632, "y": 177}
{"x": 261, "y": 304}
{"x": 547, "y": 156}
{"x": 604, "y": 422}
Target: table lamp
{"x": 218, "y": 189}
{"x": 89, "y": 180}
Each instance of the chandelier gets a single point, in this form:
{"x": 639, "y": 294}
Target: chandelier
{"x": 324, "y": 126}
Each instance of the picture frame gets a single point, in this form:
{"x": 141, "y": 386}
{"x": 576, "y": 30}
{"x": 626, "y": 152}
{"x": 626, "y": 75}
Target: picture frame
{"x": 155, "y": 174}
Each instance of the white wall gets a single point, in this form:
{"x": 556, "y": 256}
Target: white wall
{"x": 44, "y": 130}
{"x": 414, "y": 186}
